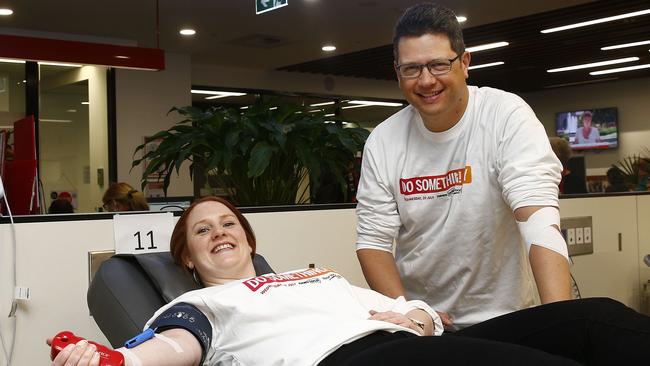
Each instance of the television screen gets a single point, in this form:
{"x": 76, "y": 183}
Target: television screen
{"x": 589, "y": 129}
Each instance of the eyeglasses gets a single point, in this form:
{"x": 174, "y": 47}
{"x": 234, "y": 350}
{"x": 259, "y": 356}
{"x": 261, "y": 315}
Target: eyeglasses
{"x": 435, "y": 67}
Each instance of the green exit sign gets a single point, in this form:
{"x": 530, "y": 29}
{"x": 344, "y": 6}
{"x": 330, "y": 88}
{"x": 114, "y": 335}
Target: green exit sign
{"x": 262, "y": 6}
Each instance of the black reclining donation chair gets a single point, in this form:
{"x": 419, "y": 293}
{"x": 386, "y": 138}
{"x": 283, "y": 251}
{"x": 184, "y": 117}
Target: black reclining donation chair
{"x": 128, "y": 289}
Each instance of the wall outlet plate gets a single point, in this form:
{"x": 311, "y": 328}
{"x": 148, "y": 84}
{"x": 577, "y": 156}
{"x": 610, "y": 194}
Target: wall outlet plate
{"x": 579, "y": 234}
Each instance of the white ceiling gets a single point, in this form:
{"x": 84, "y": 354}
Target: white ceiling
{"x": 302, "y": 27}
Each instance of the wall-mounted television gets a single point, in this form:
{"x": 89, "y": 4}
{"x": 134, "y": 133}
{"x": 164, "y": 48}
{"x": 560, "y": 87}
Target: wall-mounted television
{"x": 589, "y": 129}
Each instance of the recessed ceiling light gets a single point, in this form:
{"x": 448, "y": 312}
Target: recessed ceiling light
{"x": 624, "y": 45}
{"x": 85, "y": 103}
{"x": 595, "y": 64}
{"x": 328, "y": 48}
{"x": 620, "y": 69}
{"x": 122, "y": 57}
{"x": 597, "y": 21}
{"x": 481, "y": 66}
{"x": 461, "y": 19}
{"x": 71, "y": 110}
{"x": 187, "y": 32}
{"x": 487, "y": 46}
{"x": 5, "y": 11}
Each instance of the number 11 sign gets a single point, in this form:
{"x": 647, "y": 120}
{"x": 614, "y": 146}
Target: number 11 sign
{"x": 137, "y": 234}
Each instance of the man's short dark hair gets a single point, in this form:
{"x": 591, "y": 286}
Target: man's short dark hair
{"x": 429, "y": 18}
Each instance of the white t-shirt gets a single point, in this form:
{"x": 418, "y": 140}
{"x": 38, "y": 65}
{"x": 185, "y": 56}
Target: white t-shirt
{"x": 448, "y": 199}
{"x": 292, "y": 318}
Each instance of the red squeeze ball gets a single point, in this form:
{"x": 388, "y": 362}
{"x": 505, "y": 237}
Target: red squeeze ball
{"x": 107, "y": 357}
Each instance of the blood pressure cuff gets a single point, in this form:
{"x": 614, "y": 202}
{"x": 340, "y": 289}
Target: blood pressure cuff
{"x": 188, "y": 317}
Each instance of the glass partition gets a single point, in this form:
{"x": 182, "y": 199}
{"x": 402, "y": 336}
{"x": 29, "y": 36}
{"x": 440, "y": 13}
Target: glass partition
{"x": 344, "y": 110}
{"x": 73, "y": 137}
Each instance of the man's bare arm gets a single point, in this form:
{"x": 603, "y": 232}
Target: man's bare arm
{"x": 550, "y": 269}
{"x": 381, "y": 272}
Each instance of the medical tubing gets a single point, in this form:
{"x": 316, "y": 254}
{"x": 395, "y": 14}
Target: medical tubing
{"x": 9, "y": 355}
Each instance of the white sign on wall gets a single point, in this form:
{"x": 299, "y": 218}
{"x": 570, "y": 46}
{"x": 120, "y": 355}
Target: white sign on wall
{"x": 262, "y": 6}
{"x": 138, "y": 234}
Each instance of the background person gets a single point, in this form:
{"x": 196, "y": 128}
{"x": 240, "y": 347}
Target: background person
{"x": 122, "y": 197}
{"x": 60, "y": 206}
{"x": 587, "y": 134}
{"x": 573, "y": 180}
{"x": 616, "y": 180}
{"x": 315, "y": 317}
{"x": 453, "y": 178}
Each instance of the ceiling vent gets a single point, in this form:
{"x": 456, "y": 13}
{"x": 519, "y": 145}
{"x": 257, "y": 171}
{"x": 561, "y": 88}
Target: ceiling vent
{"x": 259, "y": 41}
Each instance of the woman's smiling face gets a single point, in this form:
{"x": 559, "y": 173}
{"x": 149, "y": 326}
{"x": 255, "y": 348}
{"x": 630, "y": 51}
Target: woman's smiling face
{"x": 216, "y": 244}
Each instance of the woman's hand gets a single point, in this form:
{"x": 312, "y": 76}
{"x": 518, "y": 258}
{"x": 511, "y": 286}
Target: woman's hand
{"x": 396, "y": 318}
{"x": 80, "y": 354}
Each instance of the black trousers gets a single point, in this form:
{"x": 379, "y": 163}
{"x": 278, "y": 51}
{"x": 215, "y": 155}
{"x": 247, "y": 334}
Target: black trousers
{"x": 594, "y": 331}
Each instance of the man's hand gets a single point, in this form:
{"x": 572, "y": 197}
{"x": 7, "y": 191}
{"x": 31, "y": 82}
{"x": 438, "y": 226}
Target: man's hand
{"x": 446, "y": 319}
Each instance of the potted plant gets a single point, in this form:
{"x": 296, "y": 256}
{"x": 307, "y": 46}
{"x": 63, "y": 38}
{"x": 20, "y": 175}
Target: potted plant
{"x": 262, "y": 155}
{"x": 635, "y": 170}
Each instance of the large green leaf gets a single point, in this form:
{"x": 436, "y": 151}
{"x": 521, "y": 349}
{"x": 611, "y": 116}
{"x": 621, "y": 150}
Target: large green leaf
{"x": 260, "y": 158}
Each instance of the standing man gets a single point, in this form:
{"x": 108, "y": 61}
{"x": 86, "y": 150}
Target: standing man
{"x": 454, "y": 178}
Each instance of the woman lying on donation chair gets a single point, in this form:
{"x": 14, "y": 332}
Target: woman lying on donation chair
{"x": 315, "y": 317}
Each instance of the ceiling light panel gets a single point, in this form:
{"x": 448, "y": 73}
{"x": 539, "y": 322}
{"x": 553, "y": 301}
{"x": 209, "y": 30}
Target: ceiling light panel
{"x": 597, "y": 21}
{"x": 482, "y": 66}
{"x": 620, "y": 69}
{"x": 595, "y": 64}
{"x": 487, "y": 46}
{"x": 625, "y": 45}
{"x": 372, "y": 102}
{"x": 321, "y": 104}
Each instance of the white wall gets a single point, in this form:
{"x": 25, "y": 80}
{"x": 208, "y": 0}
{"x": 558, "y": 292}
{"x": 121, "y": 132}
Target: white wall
{"x": 630, "y": 96}
{"x": 52, "y": 261}
{"x": 143, "y": 100}
{"x": 608, "y": 271}
{"x": 643, "y": 218}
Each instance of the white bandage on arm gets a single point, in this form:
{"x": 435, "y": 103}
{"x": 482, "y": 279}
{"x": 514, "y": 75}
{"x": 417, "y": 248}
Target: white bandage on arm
{"x": 541, "y": 229}
{"x": 169, "y": 341}
{"x": 130, "y": 358}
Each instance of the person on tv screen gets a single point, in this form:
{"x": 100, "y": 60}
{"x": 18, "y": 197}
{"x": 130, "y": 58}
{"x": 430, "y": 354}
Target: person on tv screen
{"x": 587, "y": 134}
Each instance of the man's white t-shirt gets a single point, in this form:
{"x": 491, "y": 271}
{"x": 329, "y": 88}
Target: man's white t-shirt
{"x": 448, "y": 199}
